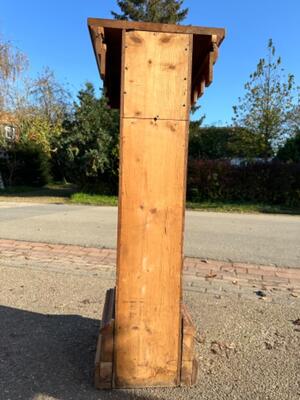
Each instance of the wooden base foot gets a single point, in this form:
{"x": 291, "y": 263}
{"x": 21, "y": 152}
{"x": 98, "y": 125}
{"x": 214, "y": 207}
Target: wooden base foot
{"x": 105, "y": 344}
{"x": 189, "y": 364}
{"x": 104, "y": 371}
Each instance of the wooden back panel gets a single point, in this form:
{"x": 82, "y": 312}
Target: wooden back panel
{"x": 156, "y": 74}
{"x": 151, "y": 208}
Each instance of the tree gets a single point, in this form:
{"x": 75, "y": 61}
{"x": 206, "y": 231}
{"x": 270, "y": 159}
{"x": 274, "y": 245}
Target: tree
{"x": 290, "y": 151}
{"x": 266, "y": 106}
{"x": 243, "y": 144}
{"x": 12, "y": 63}
{"x": 209, "y": 142}
{"x": 294, "y": 117}
{"x": 215, "y": 143}
{"x": 49, "y": 96}
{"x": 37, "y": 108}
{"x": 43, "y": 110}
{"x": 88, "y": 147}
{"x": 162, "y": 11}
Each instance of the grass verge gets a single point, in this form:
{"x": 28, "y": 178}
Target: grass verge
{"x": 93, "y": 199}
{"x": 68, "y": 194}
{"x": 242, "y": 207}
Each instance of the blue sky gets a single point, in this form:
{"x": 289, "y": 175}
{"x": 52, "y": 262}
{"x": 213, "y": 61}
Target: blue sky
{"x": 54, "y": 33}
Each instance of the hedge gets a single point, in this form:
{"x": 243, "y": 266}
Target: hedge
{"x": 273, "y": 183}
{"x": 25, "y": 165}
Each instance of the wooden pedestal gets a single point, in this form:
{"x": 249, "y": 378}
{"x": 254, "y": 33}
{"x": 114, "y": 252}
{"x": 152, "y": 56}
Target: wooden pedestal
{"x": 151, "y": 72}
{"x": 104, "y": 366}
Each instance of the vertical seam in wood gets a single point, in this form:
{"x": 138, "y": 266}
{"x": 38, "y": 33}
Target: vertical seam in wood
{"x": 119, "y": 198}
{"x": 184, "y": 194}
{"x": 189, "y": 78}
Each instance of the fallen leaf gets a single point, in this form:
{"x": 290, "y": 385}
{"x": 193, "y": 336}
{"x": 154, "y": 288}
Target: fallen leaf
{"x": 268, "y": 345}
{"x": 210, "y": 275}
{"x": 222, "y": 347}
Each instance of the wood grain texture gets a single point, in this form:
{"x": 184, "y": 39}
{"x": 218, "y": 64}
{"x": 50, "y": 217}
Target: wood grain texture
{"x": 156, "y": 27}
{"x": 105, "y": 344}
{"x": 148, "y": 316}
{"x": 100, "y": 48}
{"x": 156, "y": 68}
{"x": 189, "y": 365}
{"x": 156, "y": 75}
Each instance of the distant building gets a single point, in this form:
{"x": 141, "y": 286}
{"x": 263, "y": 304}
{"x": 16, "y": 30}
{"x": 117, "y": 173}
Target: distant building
{"x": 8, "y": 126}
{"x": 244, "y": 161}
{"x": 8, "y": 129}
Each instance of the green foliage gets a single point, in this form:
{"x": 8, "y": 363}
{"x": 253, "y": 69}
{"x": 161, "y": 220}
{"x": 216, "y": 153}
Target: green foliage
{"x": 290, "y": 152}
{"x": 268, "y": 183}
{"x": 94, "y": 199}
{"x": 87, "y": 150}
{"x": 267, "y": 104}
{"x": 25, "y": 164}
{"x": 41, "y": 115}
{"x": 208, "y": 143}
{"x": 214, "y": 143}
{"x": 162, "y": 11}
{"x": 243, "y": 144}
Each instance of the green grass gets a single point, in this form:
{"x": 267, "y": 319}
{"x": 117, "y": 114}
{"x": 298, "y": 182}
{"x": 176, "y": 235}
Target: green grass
{"x": 242, "y": 207}
{"x": 103, "y": 200}
{"x": 93, "y": 199}
{"x": 68, "y": 194}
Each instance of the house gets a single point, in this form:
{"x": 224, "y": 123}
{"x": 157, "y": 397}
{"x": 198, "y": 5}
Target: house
{"x": 8, "y": 130}
{"x": 8, "y": 126}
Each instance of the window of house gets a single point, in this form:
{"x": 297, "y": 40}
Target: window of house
{"x": 10, "y": 132}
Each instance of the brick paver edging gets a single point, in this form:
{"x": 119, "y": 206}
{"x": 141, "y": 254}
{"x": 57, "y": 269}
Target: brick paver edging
{"x": 234, "y": 273}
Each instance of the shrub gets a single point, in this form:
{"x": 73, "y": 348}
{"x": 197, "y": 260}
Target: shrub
{"x": 290, "y": 152}
{"x": 25, "y": 165}
{"x": 272, "y": 183}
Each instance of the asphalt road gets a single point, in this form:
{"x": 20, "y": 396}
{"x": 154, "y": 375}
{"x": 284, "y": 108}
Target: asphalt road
{"x": 253, "y": 238}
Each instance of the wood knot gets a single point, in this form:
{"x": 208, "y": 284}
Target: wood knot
{"x": 136, "y": 39}
{"x": 172, "y": 127}
{"x": 165, "y": 39}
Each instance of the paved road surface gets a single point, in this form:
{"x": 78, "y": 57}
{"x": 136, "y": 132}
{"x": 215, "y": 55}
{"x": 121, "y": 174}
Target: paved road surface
{"x": 260, "y": 239}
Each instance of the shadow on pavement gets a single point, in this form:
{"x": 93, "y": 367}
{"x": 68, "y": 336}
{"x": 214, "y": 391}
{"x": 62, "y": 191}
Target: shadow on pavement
{"x": 63, "y": 191}
{"x": 49, "y": 356}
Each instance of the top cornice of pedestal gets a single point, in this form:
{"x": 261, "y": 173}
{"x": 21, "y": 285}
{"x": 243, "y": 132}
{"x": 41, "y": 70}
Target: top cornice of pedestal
{"x": 155, "y": 27}
{"x": 106, "y": 37}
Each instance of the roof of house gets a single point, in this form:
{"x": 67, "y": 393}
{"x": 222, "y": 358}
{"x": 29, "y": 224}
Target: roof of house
{"x": 7, "y": 118}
